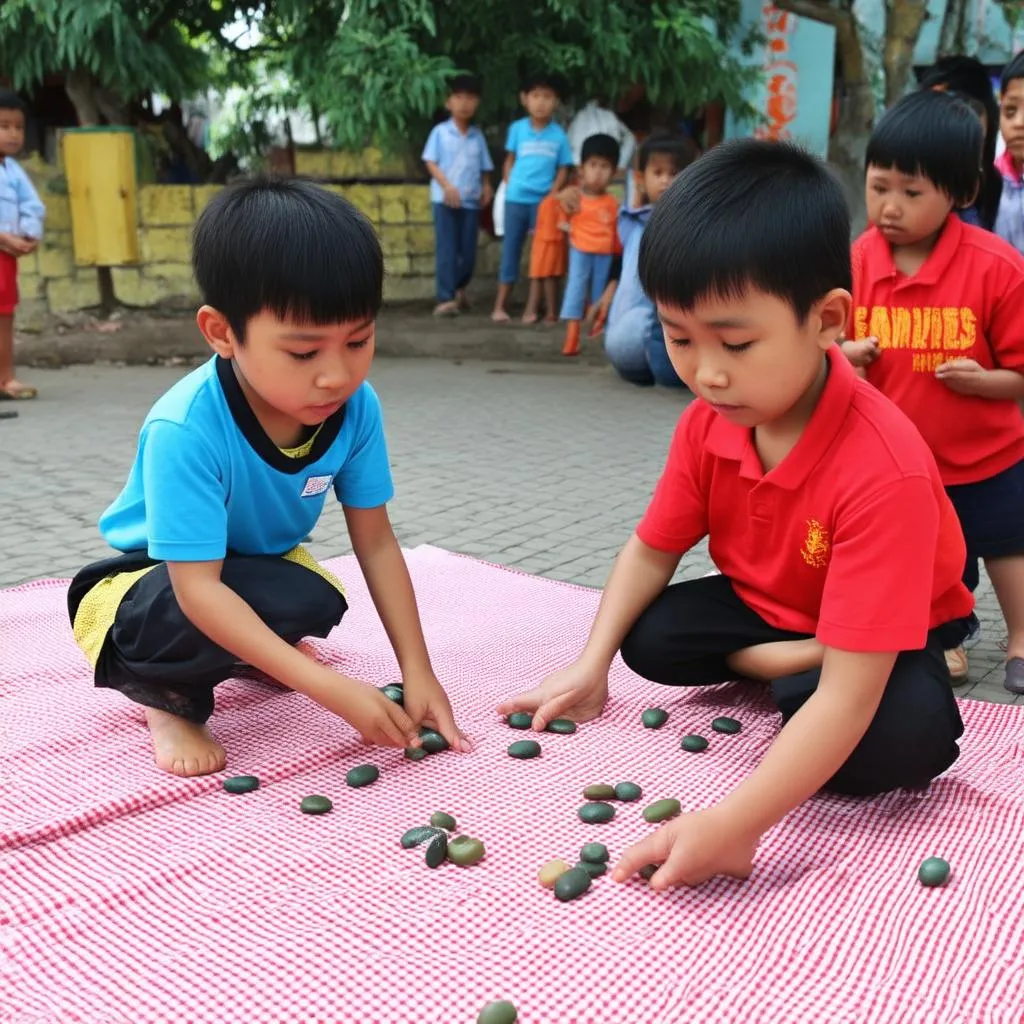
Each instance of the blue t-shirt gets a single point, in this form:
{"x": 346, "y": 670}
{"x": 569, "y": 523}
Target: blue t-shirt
{"x": 630, "y": 293}
{"x": 462, "y": 158}
{"x": 538, "y": 157}
{"x": 207, "y": 479}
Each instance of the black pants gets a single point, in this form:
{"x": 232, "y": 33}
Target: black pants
{"x": 156, "y": 657}
{"x": 686, "y": 635}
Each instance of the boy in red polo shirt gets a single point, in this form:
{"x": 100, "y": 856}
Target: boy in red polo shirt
{"x": 939, "y": 321}
{"x": 839, "y": 552}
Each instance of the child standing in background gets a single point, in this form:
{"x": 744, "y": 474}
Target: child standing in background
{"x": 21, "y": 227}
{"x": 460, "y": 166}
{"x": 1010, "y": 219}
{"x": 537, "y": 163}
{"x": 593, "y": 240}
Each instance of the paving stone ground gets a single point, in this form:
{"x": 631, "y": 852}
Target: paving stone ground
{"x": 546, "y": 468}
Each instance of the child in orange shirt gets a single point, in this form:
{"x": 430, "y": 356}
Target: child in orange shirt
{"x": 593, "y": 239}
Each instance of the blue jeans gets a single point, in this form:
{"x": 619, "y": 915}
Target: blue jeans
{"x": 635, "y": 346}
{"x": 520, "y": 219}
{"x": 455, "y": 234}
{"x": 588, "y": 275}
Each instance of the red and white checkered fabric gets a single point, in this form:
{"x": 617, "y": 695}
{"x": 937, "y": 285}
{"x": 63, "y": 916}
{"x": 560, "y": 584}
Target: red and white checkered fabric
{"x": 130, "y": 896}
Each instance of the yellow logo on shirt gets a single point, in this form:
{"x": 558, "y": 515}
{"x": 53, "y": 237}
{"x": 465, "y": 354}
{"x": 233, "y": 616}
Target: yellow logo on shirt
{"x": 934, "y": 334}
{"x": 816, "y": 545}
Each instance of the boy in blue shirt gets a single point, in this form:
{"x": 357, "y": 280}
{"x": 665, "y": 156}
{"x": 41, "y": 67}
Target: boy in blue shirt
{"x": 21, "y": 227}
{"x": 233, "y": 467}
{"x": 537, "y": 162}
{"x": 459, "y": 164}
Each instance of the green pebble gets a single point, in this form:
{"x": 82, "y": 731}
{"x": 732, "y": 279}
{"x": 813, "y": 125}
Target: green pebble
{"x": 433, "y": 742}
{"x": 441, "y": 820}
{"x": 595, "y": 853}
{"x": 561, "y": 725}
{"x": 415, "y": 753}
{"x": 315, "y": 805}
{"x": 933, "y": 872}
{"x": 628, "y": 792}
{"x": 574, "y": 883}
{"x": 595, "y": 813}
{"x": 648, "y": 871}
{"x": 661, "y": 810}
{"x": 654, "y": 718}
{"x": 362, "y": 775}
{"x": 465, "y": 851}
{"x": 437, "y": 850}
{"x": 523, "y": 750}
{"x": 519, "y": 720}
{"x": 241, "y": 784}
{"x": 592, "y": 869}
{"x": 417, "y": 835}
{"x": 694, "y": 744}
{"x": 394, "y": 693}
{"x": 599, "y": 791}
{"x": 501, "y": 1012}
{"x": 727, "y": 725}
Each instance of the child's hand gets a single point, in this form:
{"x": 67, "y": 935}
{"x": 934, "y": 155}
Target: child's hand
{"x": 30, "y": 244}
{"x": 426, "y": 703}
{"x": 13, "y": 245}
{"x": 452, "y": 197}
{"x": 861, "y": 353}
{"x": 691, "y": 850}
{"x": 962, "y": 376}
{"x": 569, "y": 199}
{"x": 597, "y": 315}
{"x": 487, "y": 194}
{"x": 377, "y": 720}
{"x": 578, "y": 692}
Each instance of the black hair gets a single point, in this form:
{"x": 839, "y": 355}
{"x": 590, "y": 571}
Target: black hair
{"x": 543, "y": 80}
{"x": 11, "y": 101}
{"x": 934, "y": 135}
{"x": 289, "y": 247}
{"x": 967, "y": 76}
{"x": 681, "y": 148}
{"x": 749, "y": 214}
{"x": 1013, "y": 70}
{"x": 600, "y": 145}
{"x": 975, "y": 104}
{"x": 465, "y": 83}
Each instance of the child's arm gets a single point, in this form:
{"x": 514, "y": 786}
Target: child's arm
{"x": 967, "y": 377}
{"x": 219, "y": 613}
{"x": 560, "y": 179}
{"x": 31, "y": 210}
{"x": 451, "y": 193}
{"x": 486, "y": 189}
{"x": 510, "y": 159}
{"x": 387, "y": 578}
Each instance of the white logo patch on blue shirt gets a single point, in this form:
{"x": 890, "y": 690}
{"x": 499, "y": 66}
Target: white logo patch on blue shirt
{"x": 316, "y": 485}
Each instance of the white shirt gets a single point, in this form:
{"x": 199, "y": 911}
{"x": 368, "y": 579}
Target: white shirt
{"x": 595, "y": 120}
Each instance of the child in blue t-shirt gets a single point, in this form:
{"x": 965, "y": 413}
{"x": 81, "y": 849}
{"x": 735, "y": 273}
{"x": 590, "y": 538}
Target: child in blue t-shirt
{"x": 537, "y": 162}
{"x": 232, "y": 471}
{"x": 460, "y": 166}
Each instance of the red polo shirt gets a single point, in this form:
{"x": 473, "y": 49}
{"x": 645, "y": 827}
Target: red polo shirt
{"x": 850, "y": 538}
{"x": 966, "y": 301}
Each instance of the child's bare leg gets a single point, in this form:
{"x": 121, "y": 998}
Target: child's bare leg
{"x": 183, "y": 747}
{"x": 551, "y": 299}
{"x": 773, "y": 661}
{"x": 500, "y": 314}
{"x": 532, "y": 301}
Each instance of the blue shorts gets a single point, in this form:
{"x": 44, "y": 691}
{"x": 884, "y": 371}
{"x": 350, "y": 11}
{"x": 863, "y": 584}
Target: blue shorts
{"x": 991, "y": 514}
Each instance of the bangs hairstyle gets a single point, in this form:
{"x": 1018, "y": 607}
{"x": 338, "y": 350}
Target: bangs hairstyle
{"x": 543, "y": 80}
{"x": 1012, "y": 71}
{"x": 600, "y": 145}
{"x": 681, "y": 148}
{"x": 464, "y": 83}
{"x": 935, "y": 136}
{"x": 749, "y": 214}
{"x": 11, "y": 101}
{"x": 291, "y": 248}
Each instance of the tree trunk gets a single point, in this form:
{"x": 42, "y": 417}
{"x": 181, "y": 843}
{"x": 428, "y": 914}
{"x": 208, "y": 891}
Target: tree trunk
{"x": 953, "y": 34}
{"x": 903, "y": 21}
{"x": 81, "y": 89}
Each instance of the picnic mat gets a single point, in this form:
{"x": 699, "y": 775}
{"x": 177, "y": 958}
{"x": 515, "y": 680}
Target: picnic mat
{"x": 127, "y": 895}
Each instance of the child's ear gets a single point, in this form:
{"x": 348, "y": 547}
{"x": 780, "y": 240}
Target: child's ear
{"x": 833, "y": 315}
{"x": 522, "y": 99}
{"x": 217, "y": 331}
{"x": 638, "y": 185}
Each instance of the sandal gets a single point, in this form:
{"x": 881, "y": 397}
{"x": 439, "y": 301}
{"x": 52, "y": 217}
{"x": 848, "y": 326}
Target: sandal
{"x": 500, "y": 316}
{"x": 15, "y": 391}
{"x": 450, "y": 308}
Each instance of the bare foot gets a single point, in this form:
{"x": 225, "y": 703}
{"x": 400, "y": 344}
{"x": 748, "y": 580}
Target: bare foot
{"x": 529, "y": 317}
{"x": 182, "y": 747}
{"x": 447, "y": 308}
{"x": 499, "y": 316}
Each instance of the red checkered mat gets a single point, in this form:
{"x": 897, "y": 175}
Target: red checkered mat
{"x": 130, "y": 896}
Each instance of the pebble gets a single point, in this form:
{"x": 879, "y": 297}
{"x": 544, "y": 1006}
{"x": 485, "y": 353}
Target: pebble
{"x": 500, "y": 1012}
{"x": 241, "y": 784}
{"x": 437, "y": 850}
{"x": 654, "y": 718}
{"x": 573, "y": 884}
{"x": 433, "y": 742}
{"x": 648, "y": 871}
{"x": 592, "y": 869}
{"x": 394, "y": 693}
{"x": 524, "y": 749}
{"x": 465, "y": 851}
{"x": 661, "y": 810}
{"x": 362, "y": 775}
{"x": 595, "y": 813}
{"x": 441, "y": 820}
{"x": 519, "y": 720}
{"x": 415, "y": 753}
{"x": 417, "y": 835}
{"x": 694, "y": 744}
{"x": 551, "y": 872}
{"x": 315, "y": 805}
{"x": 628, "y": 792}
{"x": 599, "y": 791}
{"x": 561, "y": 725}
{"x": 727, "y": 725}
{"x": 595, "y": 853}
{"x": 933, "y": 872}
